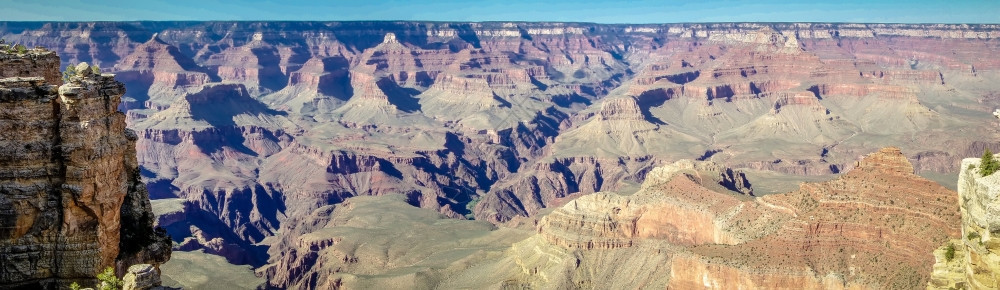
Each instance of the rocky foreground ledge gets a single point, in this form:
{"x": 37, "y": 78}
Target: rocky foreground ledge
{"x": 973, "y": 261}
{"x": 71, "y": 201}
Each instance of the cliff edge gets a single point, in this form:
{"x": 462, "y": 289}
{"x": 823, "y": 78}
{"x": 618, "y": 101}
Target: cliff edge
{"x": 71, "y": 201}
{"x": 973, "y": 261}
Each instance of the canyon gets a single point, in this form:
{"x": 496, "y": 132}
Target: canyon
{"x": 271, "y": 144}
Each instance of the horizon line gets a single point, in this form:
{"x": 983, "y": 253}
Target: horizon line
{"x": 512, "y": 21}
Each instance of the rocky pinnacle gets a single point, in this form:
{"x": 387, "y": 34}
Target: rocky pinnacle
{"x": 71, "y": 202}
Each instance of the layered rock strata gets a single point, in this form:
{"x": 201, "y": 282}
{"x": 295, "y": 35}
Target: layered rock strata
{"x": 863, "y": 230}
{"x": 869, "y": 228}
{"x": 71, "y": 201}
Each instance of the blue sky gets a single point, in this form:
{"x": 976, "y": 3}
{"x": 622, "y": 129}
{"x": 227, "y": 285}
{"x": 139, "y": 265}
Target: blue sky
{"x": 614, "y": 11}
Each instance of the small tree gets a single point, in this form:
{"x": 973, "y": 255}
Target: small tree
{"x": 108, "y": 280}
{"x": 988, "y": 164}
{"x": 69, "y": 73}
{"x": 949, "y": 252}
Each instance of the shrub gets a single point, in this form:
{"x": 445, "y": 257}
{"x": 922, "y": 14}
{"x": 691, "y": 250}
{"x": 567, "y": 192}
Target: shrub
{"x": 988, "y": 164}
{"x": 21, "y": 49}
{"x": 949, "y": 252}
{"x": 974, "y": 236}
{"x": 108, "y": 280}
{"x": 96, "y": 69}
{"x": 69, "y": 73}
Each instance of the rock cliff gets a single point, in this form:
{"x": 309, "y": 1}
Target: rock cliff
{"x": 71, "y": 201}
{"x": 973, "y": 260}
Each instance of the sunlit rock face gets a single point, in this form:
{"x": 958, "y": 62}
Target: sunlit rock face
{"x": 974, "y": 262}
{"x": 70, "y": 192}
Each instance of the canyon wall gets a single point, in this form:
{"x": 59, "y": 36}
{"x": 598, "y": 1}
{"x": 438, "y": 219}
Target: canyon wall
{"x": 71, "y": 201}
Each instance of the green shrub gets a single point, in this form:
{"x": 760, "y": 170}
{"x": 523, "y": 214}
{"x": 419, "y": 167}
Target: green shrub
{"x": 974, "y": 236}
{"x": 988, "y": 164}
{"x": 96, "y": 69}
{"x": 949, "y": 252}
{"x": 21, "y": 49}
{"x": 69, "y": 73}
{"x": 108, "y": 280}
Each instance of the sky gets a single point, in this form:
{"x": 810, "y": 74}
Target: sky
{"x": 611, "y": 11}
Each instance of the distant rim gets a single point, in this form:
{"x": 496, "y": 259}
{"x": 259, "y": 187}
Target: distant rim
{"x": 499, "y": 21}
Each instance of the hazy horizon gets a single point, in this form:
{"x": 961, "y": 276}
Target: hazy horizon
{"x": 606, "y": 12}
{"x": 498, "y": 21}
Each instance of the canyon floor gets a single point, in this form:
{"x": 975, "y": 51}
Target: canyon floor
{"x": 512, "y": 154}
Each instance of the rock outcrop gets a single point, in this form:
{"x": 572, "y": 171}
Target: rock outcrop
{"x": 973, "y": 260}
{"x": 71, "y": 201}
{"x": 141, "y": 277}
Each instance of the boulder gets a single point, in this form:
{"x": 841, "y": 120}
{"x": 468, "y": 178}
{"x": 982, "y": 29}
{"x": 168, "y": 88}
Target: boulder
{"x": 141, "y": 277}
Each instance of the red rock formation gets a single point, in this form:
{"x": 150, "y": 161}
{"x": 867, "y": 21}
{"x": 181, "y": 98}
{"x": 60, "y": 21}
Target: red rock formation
{"x": 878, "y": 222}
